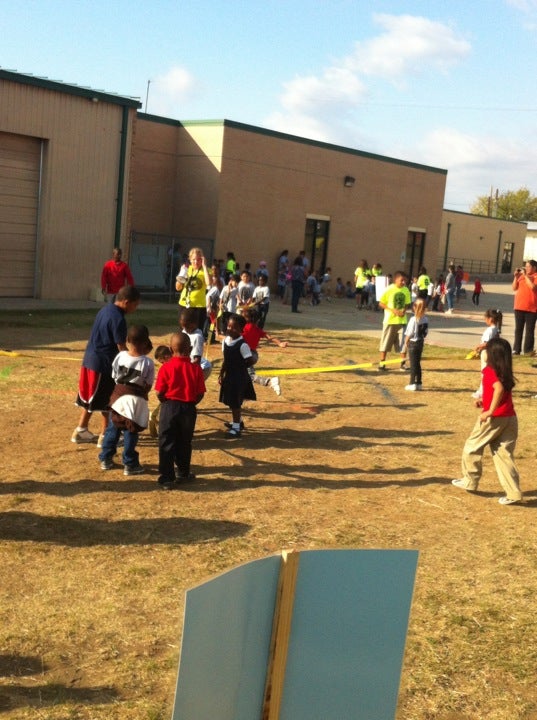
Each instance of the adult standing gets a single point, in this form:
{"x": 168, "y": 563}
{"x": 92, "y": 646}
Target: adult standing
{"x": 395, "y": 301}
{"x": 115, "y": 275}
{"x": 298, "y": 279}
{"x": 283, "y": 269}
{"x": 525, "y": 287}
{"x": 108, "y": 337}
{"x": 361, "y": 275}
{"x": 193, "y": 282}
{"x": 450, "y": 287}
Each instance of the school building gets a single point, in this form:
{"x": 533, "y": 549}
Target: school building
{"x": 84, "y": 171}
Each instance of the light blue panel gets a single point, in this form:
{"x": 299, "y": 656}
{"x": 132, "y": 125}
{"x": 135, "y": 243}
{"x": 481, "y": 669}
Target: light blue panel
{"x": 348, "y": 634}
{"x": 226, "y": 638}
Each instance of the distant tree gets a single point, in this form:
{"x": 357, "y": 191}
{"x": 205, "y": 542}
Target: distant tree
{"x": 509, "y": 205}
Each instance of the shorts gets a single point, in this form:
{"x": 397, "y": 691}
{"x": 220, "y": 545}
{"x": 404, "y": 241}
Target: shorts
{"x": 94, "y": 390}
{"x": 389, "y": 339}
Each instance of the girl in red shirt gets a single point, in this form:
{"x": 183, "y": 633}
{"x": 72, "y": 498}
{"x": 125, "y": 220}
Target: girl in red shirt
{"x": 496, "y": 426}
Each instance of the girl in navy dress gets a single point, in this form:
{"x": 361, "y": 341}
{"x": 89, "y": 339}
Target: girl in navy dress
{"x": 235, "y": 382}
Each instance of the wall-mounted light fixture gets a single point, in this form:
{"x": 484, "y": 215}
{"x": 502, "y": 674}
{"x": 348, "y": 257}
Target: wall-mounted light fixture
{"x": 348, "y": 181}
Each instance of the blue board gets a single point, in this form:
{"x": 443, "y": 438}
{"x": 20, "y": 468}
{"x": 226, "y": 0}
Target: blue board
{"x": 346, "y": 646}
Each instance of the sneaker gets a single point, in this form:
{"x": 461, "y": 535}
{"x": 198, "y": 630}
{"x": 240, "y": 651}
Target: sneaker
{"x": 412, "y": 388}
{"x": 403, "y": 367}
{"x": 508, "y": 501}
{"x": 106, "y": 465}
{"x": 83, "y": 436}
{"x": 230, "y": 425}
{"x": 477, "y": 395}
{"x": 461, "y": 483}
{"x": 133, "y": 469}
{"x": 382, "y": 367}
{"x": 232, "y": 434}
{"x": 275, "y": 385}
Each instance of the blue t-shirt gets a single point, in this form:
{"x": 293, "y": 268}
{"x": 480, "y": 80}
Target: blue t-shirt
{"x": 109, "y": 330}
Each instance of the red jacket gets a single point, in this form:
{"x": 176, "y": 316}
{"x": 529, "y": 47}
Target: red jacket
{"x": 115, "y": 275}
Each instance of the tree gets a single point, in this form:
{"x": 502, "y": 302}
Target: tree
{"x": 509, "y": 205}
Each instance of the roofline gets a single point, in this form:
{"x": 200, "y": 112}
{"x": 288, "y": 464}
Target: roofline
{"x": 485, "y": 217}
{"x": 57, "y": 86}
{"x": 314, "y": 143}
{"x": 285, "y": 136}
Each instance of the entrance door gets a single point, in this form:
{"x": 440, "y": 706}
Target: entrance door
{"x": 415, "y": 249}
{"x": 507, "y": 259}
{"x": 316, "y": 243}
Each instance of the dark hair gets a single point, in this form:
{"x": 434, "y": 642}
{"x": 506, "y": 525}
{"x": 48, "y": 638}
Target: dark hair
{"x": 241, "y": 322}
{"x": 500, "y": 359}
{"x": 180, "y": 343}
{"x": 189, "y": 316}
{"x": 129, "y": 293}
{"x": 251, "y": 315}
{"x": 496, "y": 316}
{"x": 298, "y": 260}
{"x": 138, "y": 336}
{"x": 163, "y": 352}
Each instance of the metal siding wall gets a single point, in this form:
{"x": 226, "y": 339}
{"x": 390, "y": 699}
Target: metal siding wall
{"x": 19, "y": 187}
{"x": 80, "y": 176}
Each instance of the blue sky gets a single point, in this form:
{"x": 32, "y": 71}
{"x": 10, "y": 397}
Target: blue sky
{"x": 450, "y": 84}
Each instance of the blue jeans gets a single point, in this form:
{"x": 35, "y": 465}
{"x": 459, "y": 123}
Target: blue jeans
{"x": 110, "y": 440}
{"x": 450, "y": 296}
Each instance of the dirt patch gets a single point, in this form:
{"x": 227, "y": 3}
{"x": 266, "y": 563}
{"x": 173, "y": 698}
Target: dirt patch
{"x": 95, "y": 564}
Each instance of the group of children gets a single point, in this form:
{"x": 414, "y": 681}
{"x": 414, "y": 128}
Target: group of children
{"x": 180, "y": 386}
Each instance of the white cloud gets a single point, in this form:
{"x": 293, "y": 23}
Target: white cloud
{"x": 169, "y": 92}
{"x": 325, "y": 104}
{"x": 478, "y": 162}
{"x": 409, "y": 45}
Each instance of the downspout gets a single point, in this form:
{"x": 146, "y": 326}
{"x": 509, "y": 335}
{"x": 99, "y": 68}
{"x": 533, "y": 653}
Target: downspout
{"x": 500, "y": 233}
{"x": 448, "y": 233}
{"x": 121, "y": 175}
{"x": 37, "y": 261}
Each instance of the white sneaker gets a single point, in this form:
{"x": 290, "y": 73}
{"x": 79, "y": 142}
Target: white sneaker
{"x": 411, "y": 388}
{"x": 83, "y": 436}
{"x": 477, "y": 395}
{"x": 275, "y": 385}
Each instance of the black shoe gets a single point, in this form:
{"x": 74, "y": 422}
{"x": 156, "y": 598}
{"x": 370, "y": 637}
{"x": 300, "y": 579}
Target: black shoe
{"x": 168, "y": 485}
{"x": 188, "y": 478}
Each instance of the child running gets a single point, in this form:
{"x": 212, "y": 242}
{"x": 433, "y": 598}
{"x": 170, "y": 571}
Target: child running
{"x": 493, "y": 320}
{"x": 253, "y": 332}
{"x": 496, "y": 426}
{"x": 234, "y": 379}
{"x": 415, "y": 334}
{"x": 133, "y": 373}
{"x": 180, "y": 387}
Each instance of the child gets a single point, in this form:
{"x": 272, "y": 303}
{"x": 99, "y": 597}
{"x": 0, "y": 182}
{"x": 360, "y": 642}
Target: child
{"x": 313, "y": 288}
{"x": 496, "y": 426}
{"x": 212, "y": 302}
{"x": 326, "y": 284}
{"x": 133, "y": 373}
{"x": 415, "y": 334}
{"x": 180, "y": 387}
{"x": 340, "y": 288}
{"x": 252, "y": 333}
{"x": 493, "y": 320}
{"x": 228, "y": 301}
{"x": 245, "y": 291}
{"x": 162, "y": 354}
{"x": 261, "y": 299}
{"x": 187, "y": 321}
{"x": 478, "y": 289}
{"x": 234, "y": 379}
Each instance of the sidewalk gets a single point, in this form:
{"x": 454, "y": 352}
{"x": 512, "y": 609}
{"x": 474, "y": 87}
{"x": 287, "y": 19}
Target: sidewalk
{"x": 463, "y": 329}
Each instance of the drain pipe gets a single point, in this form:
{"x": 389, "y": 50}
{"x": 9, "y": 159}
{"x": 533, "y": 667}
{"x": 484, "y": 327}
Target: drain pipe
{"x": 121, "y": 175}
{"x": 500, "y": 233}
{"x": 448, "y": 233}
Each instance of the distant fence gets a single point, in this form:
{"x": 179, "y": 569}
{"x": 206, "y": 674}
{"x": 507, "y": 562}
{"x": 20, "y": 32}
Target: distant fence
{"x": 155, "y": 260}
{"x": 474, "y": 267}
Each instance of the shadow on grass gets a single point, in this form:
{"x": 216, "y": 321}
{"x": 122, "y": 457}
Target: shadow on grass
{"x": 89, "y": 532}
{"x": 50, "y": 695}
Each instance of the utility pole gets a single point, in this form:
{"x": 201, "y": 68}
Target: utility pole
{"x": 147, "y": 94}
